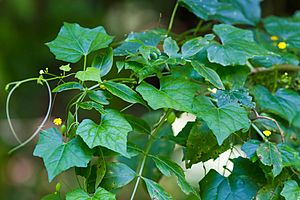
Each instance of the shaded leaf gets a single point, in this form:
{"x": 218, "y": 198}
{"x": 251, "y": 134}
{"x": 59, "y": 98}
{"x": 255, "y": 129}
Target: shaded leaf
{"x": 193, "y": 46}
{"x": 89, "y": 105}
{"x": 250, "y": 149}
{"x": 68, "y": 86}
{"x": 155, "y": 191}
{"x": 104, "y": 62}
{"x": 168, "y": 168}
{"x": 117, "y": 175}
{"x": 170, "y": 47}
{"x": 98, "y": 96}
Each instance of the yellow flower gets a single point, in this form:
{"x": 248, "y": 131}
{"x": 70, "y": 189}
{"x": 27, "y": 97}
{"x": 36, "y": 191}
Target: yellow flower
{"x": 267, "y": 133}
{"x": 281, "y": 45}
{"x": 274, "y": 38}
{"x": 57, "y": 121}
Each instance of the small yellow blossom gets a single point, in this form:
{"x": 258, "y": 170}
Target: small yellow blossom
{"x": 57, "y": 121}
{"x": 102, "y": 87}
{"x": 274, "y": 38}
{"x": 267, "y": 133}
{"x": 281, "y": 45}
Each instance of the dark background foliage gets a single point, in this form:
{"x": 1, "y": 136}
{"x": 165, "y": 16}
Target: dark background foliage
{"x": 25, "y": 25}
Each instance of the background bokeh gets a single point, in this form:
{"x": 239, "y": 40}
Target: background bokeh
{"x": 25, "y": 25}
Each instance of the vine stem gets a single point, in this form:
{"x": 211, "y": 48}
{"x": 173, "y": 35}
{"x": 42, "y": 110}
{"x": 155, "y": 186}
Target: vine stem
{"x": 259, "y": 132}
{"x": 273, "y": 120}
{"x": 142, "y": 162}
{"x": 172, "y": 18}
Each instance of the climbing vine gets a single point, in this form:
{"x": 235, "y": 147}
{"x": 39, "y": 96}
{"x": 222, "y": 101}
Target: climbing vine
{"x": 236, "y": 72}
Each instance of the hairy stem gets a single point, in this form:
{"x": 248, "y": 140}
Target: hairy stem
{"x": 172, "y": 18}
{"x": 142, "y": 162}
{"x": 259, "y": 132}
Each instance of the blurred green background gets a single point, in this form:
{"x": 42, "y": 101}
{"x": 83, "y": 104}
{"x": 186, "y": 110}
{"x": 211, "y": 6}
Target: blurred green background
{"x": 25, "y": 25}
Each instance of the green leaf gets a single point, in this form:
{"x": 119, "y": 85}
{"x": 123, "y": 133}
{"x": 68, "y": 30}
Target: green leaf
{"x": 193, "y": 46}
{"x": 174, "y": 93}
{"x": 269, "y": 155}
{"x": 90, "y": 74}
{"x": 134, "y": 40}
{"x": 269, "y": 192}
{"x": 291, "y": 190}
{"x": 284, "y": 103}
{"x": 138, "y": 125}
{"x": 89, "y": 105}
{"x": 111, "y": 133}
{"x": 171, "y": 48}
{"x": 226, "y": 11}
{"x": 202, "y": 145}
{"x": 100, "y": 193}
{"x": 54, "y": 196}
{"x": 117, "y": 175}
{"x": 240, "y": 96}
{"x": 123, "y": 91}
{"x": 155, "y": 191}
{"x": 59, "y": 156}
{"x": 209, "y": 74}
{"x": 98, "y": 96}
{"x": 65, "y": 68}
{"x": 104, "y": 61}
{"x": 74, "y": 41}
{"x": 237, "y": 47}
{"x": 285, "y": 28}
{"x": 243, "y": 183}
{"x": 250, "y": 149}
{"x": 168, "y": 168}
{"x": 224, "y": 120}
{"x": 68, "y": 86}
{"x": 233, "y": 77}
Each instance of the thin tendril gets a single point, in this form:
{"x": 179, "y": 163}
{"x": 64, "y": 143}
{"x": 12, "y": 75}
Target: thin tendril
{"x": 40, "y": 126}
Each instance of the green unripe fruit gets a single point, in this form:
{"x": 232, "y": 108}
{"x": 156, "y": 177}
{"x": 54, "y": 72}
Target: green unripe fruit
{"x": 171, "y": 118}
{"x": 63, "y": 128}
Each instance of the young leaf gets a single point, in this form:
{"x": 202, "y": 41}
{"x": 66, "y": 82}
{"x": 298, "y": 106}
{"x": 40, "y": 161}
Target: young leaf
{"x": 171, "y": 48}
{"x": 59, "y": 156}
{"x": 174, "y": 93}
{"x": 135, "y": 40}
{"x": 90, "y": 74}
{"x": 104, "y": 62}
{"x": 65, "y": 68}
{"x": 242, "y": 183}
{"x": 80, "y": 194}
{"x": 155, "y": 191}
{"x": 269, "y": 154}
{"x": 168, "y": 168}
{"x": 89, "y": 105}
{"x": 98, "y": 96}
{"x": 291, "y": 190}
{"x": 111, "y": 133}
{"x": 237, "y": 47}
{"x": 222, "y": 10}
{"x": 68, "y": 86}
{"x": 209, "y": 74}
{"x": 223, "y": 120}
{"x": 117, "y": 175}
{"x": 193, "y": 46}
{"x": 123, "y": 91}
{"x": 240, "y": 96}
{"x": 74, "y": 41}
